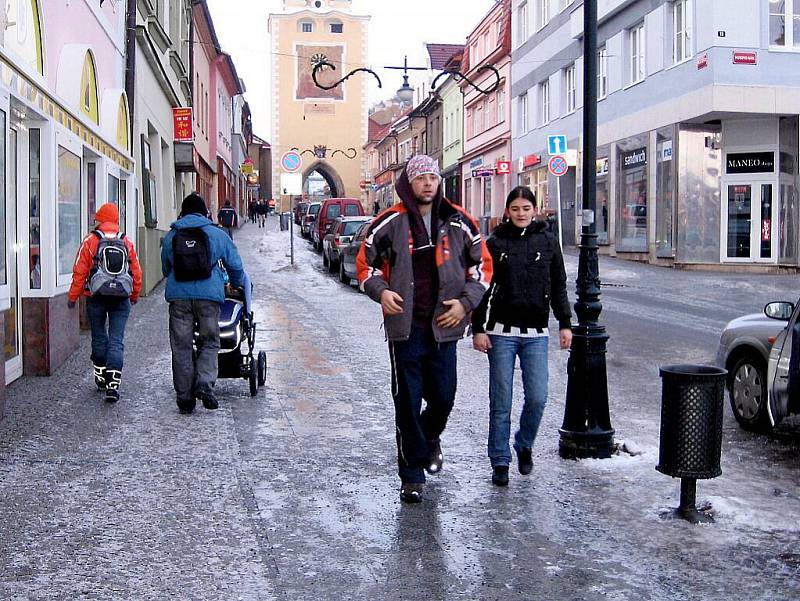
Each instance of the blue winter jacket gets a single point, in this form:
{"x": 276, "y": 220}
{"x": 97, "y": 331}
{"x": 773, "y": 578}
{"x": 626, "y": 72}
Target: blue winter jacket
{"x": 222, "y": 247}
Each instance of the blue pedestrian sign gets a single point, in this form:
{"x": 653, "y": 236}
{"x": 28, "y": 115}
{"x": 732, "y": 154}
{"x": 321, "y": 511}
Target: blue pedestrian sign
{"x": 291, "y": 162}
{"x": 556, "y": 145}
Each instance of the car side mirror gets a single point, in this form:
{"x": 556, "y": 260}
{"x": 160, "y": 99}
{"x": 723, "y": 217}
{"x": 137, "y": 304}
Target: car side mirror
{"x": 313, "y": 217}
{"x": 781, "y": 310}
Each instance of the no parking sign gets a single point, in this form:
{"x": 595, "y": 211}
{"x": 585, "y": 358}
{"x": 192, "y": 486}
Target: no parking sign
{"x": 557, "y": 165}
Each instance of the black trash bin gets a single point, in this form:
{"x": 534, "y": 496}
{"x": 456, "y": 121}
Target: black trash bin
{"x": 483, "y": 225}
{"x": 691, "y": 429}
{"x": 284, "y": 221}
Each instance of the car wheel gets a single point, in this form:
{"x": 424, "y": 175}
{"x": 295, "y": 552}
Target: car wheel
{"x": 332, "y": 266}
{"x": 342, "y": 275}
{"x": 261, "y": 365}
{"x": 748, "y": 394}
{"x": 325, "y": 262}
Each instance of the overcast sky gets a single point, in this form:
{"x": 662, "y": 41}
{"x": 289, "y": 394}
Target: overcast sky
{"x": 398, "y": 27}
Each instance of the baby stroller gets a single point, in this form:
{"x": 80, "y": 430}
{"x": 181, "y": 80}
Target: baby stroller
{"x": 236, "y": 325}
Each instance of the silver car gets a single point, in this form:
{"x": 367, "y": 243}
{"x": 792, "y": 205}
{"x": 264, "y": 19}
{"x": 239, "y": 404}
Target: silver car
{"x": 751, "y": 348}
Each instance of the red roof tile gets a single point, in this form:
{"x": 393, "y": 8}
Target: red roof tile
{"x": 441, "y": 53}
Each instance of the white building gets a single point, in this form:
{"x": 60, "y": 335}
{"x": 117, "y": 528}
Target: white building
{"x": 697, "y": 124}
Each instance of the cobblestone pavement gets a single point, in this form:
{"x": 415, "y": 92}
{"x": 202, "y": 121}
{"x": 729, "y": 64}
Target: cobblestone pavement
{"x": 293, "y": 494}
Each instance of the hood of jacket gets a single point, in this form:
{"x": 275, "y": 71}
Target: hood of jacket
{"x": 507, "y": 230}
{"x": 190, "y": 220}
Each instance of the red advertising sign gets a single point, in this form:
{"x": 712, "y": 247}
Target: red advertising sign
{"x": 766, "y": 230}
{"x": 531, "y": 160}
{"x": 503, "y": 167}
{"x": 702, "y": 61}
{"x": 745, "y": 58}
{"x": 182, "y": 124}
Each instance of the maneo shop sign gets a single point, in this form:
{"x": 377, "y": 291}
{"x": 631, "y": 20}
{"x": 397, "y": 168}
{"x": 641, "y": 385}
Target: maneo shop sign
{"x": 750, "y": 162}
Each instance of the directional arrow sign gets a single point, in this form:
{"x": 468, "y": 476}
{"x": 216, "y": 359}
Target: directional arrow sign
{"x": 556, "y": 145}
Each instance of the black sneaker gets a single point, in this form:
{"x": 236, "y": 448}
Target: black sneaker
{"x": 206, "y": 395}
{"x": 411, "y": 492}
{"x": 524, "y": 461}
{"x": 112, "y": 395}
{"x": 500, "y": 475}
{"x": 113, "y": 378}
{"x": 436, "y": 458}
{"x": 99, "y": 377}
{"x": 186, "y": 407}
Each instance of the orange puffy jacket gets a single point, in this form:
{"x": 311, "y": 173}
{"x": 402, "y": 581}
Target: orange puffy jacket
{"x": 85, "y": 262}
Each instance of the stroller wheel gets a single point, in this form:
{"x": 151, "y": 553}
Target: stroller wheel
{"x": 253, "y": 378}
{"x": 262, "y": 368}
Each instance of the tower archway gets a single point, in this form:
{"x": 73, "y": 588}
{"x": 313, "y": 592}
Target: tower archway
{"x": 332, "y": 179}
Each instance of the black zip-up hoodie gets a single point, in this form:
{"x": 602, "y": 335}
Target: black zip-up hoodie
{"x": 528, "y": 280}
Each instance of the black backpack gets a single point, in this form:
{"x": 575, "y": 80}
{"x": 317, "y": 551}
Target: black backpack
{"x": 191, "y": 252}
{"x": 110, "y": 275}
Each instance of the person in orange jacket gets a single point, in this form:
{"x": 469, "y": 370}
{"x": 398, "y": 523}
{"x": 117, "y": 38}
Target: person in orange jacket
{"x": 107, "y": 271}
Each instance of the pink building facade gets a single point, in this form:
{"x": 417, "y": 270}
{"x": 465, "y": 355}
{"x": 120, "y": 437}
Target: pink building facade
{"x": 487, "y": 118}
{"x": 65, "y": 148}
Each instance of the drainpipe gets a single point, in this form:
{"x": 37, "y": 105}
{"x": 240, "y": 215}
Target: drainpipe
{"x": 191, "y": 53}
{"x": 130, "y": 60}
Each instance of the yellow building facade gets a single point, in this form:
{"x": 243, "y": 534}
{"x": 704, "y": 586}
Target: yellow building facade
{"x": 327, "y": 127}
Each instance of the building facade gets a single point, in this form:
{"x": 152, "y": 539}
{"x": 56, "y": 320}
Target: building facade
{"x": 697, "y": 125}
{"x": 328, "y": 127}
{"x": 66, "y": 147}
{"x": 487, "y": 131}
{"x": 163, "y": 57}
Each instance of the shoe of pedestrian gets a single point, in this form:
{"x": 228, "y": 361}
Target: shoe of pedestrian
{"x": 524, "y": 461}
{"x": 500, "y": 475}
{"x": 113, "y": 379}
{"x": 186, "y": 407}
{"x": 99, "y": 376}
{"x": 411, "y": 492}
{"x": 206, "y": 395}
{"x": 436, "y": 458}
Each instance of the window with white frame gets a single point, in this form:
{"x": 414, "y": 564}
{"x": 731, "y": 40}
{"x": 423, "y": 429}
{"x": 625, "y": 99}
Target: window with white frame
{"x": 501, "y": 106}
{"x": 306, "y": 26}
{"x": 522, "y": 22}
{"x": 498, "y": 31}
{"x": 570, "y": 86}
{"x": 469, "y": 123}
{"x": 784, "y": 23}
{"x": 681, "y": 30}
{"x": 542, "y": 13}
{"x": 636, "y": 48}
{"x": 523, "y": 114}
{"x": 544, "y": 102}
{"x": 602, "y": 73}
{"x": 562, "y": 4}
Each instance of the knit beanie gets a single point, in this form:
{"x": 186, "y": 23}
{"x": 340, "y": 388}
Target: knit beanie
{"x": 194, "y": 203}
{"x": 421, "y": 164}
{"x": 107, "y": 213}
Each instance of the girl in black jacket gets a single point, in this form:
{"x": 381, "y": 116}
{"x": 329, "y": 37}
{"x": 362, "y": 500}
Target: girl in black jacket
{"x": 511, "y": 321}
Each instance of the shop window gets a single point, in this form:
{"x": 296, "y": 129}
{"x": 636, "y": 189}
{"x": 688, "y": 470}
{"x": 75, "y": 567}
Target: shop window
{"x": 665, "y": 192}
{"x": 632, "y": 194}
{"x": 487, "y": 196}
{"x": 148, "y": 186}
{"x": 784, "y": 23}
{"x": 88, "y": 101}
{"x": 602, "y": 200}
{"x": 788, "y": 214}
{"x": 34, "y": 207}
{"x": 68, "y": 234}
{"x": 4, "y": 173}
{"x": 91, "y": 193}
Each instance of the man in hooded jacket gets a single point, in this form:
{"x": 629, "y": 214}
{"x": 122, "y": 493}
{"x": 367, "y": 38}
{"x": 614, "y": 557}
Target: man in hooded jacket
{"x": 425, "y": 262}
{"x": 195, "y": 305}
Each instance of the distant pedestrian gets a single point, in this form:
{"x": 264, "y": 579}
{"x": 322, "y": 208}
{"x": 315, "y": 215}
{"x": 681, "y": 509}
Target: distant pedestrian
{"x": 190, "y": 257}
{"x": 261, "y": 212}
{"x": 425, "y": 262}
{"x": 512, "y": 321}
{"x": 228, "y": 218}
{"x": 251, "y": 211}
{"x": 108, "y": 272}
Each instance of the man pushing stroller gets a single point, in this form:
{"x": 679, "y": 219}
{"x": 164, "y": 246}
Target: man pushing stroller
{"x": 190, "y": 257}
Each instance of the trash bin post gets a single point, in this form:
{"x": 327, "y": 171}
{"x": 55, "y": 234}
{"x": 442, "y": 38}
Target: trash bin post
{"x": 690, "y": 444}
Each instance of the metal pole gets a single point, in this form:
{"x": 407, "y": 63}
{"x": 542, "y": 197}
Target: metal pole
{"x": 558, "y": 214}
{"x": 291, "y": 238}
{"x": 586, "y": 430}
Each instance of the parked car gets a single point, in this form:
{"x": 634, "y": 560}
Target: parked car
{"x": 348, "y": 254}
{"x": 300, "y": 211}
{"x": 331, "y": 209}
{"x": 309, "y": 218}
{"x": 340, "y": 232}
{"x": 756, "y": 351}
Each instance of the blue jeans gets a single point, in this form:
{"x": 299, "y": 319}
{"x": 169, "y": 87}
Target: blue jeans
{"x": 421, "y": 369}
{"x": 107, "y": 317}
{"x": 532, "y": 354}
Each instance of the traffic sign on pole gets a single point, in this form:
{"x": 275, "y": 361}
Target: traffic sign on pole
{"x": 291, "y": 162}
{"x": 556, "y": 145}
{"x": 557, "y": 165}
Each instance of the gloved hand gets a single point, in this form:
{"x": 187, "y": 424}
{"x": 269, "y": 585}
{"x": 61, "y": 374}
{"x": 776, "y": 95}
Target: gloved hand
{"x": 71, "y": 304}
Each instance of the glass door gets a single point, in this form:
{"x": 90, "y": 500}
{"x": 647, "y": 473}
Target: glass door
{"x": 12, "y": 321}
{"x": 749, "y": 222}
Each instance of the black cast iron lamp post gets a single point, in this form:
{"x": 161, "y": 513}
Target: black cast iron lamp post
{"x": 586, "y": 430}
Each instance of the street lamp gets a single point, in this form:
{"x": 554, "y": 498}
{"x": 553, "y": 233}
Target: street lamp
{"x": 586, "y": 430}
{"x": 405, "y": 92}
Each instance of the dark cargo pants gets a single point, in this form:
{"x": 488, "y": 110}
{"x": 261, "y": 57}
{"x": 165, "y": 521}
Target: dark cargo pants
{"x": 192, "y": 371}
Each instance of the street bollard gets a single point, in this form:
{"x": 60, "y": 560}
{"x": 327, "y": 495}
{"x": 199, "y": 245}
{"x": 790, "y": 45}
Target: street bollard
{"x": 691, "y": 430}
